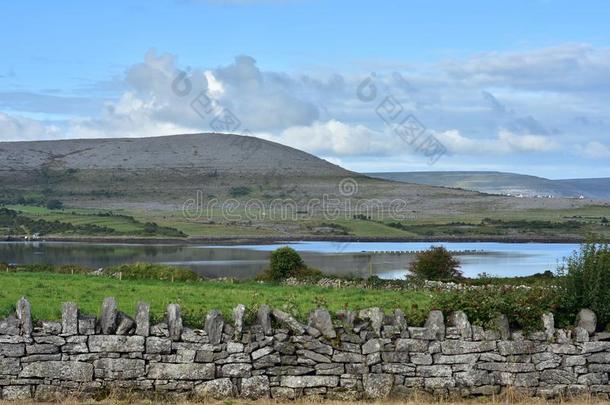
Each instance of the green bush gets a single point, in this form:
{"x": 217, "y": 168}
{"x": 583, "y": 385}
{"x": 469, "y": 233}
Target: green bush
{"x": 54, "y": 205}
{"x": 436, "y": 263}
{"x": 585, "y": 282}
{"x": 240, "y": 191}
{"x": 523, "y": 306}
{"x": 284, "y": 262}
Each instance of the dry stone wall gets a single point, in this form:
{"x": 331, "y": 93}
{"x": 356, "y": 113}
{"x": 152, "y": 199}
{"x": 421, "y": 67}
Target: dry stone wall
{"x": 352, "y": 356}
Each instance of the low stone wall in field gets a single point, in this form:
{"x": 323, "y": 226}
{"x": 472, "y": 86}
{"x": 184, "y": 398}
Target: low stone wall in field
{"x": 352, "y": 356}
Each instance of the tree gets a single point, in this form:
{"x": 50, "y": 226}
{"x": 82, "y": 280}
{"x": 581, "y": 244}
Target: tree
{"x": 585, "y": 281}
{"x": 151, "y": 227}
{"x": 285, "y": 262}
{"x": 436, "y": 263}
{"x": 54, "y": 205}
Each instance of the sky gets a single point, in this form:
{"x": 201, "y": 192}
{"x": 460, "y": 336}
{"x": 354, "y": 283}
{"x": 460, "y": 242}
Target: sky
{"x": 518, "y": 86}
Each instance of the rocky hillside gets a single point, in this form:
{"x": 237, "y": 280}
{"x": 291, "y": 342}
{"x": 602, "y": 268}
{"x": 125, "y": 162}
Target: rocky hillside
{"x": 220, "y": 153}
{"x": 164, "y": 172}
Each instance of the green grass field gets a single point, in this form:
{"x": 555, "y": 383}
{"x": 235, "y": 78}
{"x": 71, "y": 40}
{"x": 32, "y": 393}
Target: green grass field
{"x": 589, "y": 221}
{"x": 47, "y": 291}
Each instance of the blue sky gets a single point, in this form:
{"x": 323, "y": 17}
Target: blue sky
{"x": 507, "y": 85}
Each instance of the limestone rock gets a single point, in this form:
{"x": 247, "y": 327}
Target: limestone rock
{"x": 9, "y": 366}
{"x": 548, "y": 324}
{"x": 375, "y": 316}
{"x": 464, "y": 347}
{"x": 125, "y": 324}
{"x": 50, "y": 328}
{"x": 119, "y": 369}
{"x": 24, "y": 314}
{"x": 193, "y": 371}
{"x": 320, "y": 319}
{"x": 289, "y": 321}
{"x": 158, "y": 345}
{"x": 116, "y": 343}
{"x": 61, "y": 370}
{"x": 238, "y": 315}
{"x": 500, "y": 325}
{"x": 435, "y": 323}
{"x": 143, "y": 319}
{"x": 347, "y": 319}
{"x": 264, "y": 319}
{"x": 108, "y": 318}
{"x": 309, "y": 381}
{"x": 374, "y": 345}
{"x": 174, "y": 322}
{"x": 459, "y": 320}
{"x": 69, "y": 318}
{"x": 16, "y": 392}
{"x": 400, "y": 321}
{"x": 214, "y": 324}
{"x": 256, "y": 387}
{"x": 236, "y": 370}
{"x": 587, "y": 320}
{"x": 86, "y": 324}
{"x": 220, "y": 388}
{"x": 377, "y": 386}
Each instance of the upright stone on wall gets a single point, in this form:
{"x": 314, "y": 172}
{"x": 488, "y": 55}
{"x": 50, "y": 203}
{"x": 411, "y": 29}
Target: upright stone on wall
{"x": 69, "y": 318}
{"x": 587, "y": 320}
{"x": 320, "y": 319}
{"x": 501, "y": 325}
{"x": 108, "y": 319}
{"x": 24, "y": 314}
{"x": 214, "y": 325}
{"x": 264, "y": 319}
{"x": 435, "y": 323}
{"x": 375, "y": 316}
{"x": 174, "y": 321}
{"x": 288, "y": 321}
{"x": 238, "y": 315}
{"x": 143, "y": 319}
{"x": 400, "y": 321}
{"x": 548, "y": 324}
{"x": 459, "y": 320}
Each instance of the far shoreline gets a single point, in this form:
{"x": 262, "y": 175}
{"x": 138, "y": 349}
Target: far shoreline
{"x": 265, "y": 240}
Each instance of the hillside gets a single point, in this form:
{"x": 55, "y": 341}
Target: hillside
{"x": 507, "y": 183}
{"x": 159, "y": 170}
{"x": 290, "y": 192}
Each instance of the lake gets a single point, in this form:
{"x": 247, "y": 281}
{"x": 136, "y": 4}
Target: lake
{"x": 385, "y": 259}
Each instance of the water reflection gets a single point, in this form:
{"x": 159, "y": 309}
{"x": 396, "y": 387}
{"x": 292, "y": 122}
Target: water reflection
{"x": 385, "y": 259}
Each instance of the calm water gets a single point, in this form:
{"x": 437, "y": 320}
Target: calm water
{"x": 385, "y": 259}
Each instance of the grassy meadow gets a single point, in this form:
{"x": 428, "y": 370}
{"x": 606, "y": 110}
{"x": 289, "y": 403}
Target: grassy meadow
{"x": 577, "y": 223}
{"x": 47, "y": 291}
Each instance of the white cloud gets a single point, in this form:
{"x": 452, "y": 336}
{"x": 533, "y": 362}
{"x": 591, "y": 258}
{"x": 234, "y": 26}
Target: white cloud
{"x": 567, "y": 67}
{"x": 335, "y": 138}
{"x": 505, "y": 143}
{"x": 595, "y": 150}
{"x": 16, "y": 128}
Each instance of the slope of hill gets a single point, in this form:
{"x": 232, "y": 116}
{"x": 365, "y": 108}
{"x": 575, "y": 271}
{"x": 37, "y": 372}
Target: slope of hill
{"x": 220, "y": 152}
{"x": 507, "y": 183}
{"x": 162, "y": 173}
{"x": 158, "y": 170}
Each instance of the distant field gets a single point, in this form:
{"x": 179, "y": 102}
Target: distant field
{"x": 567, "y": 223}
{"x": 47, "y": 291}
